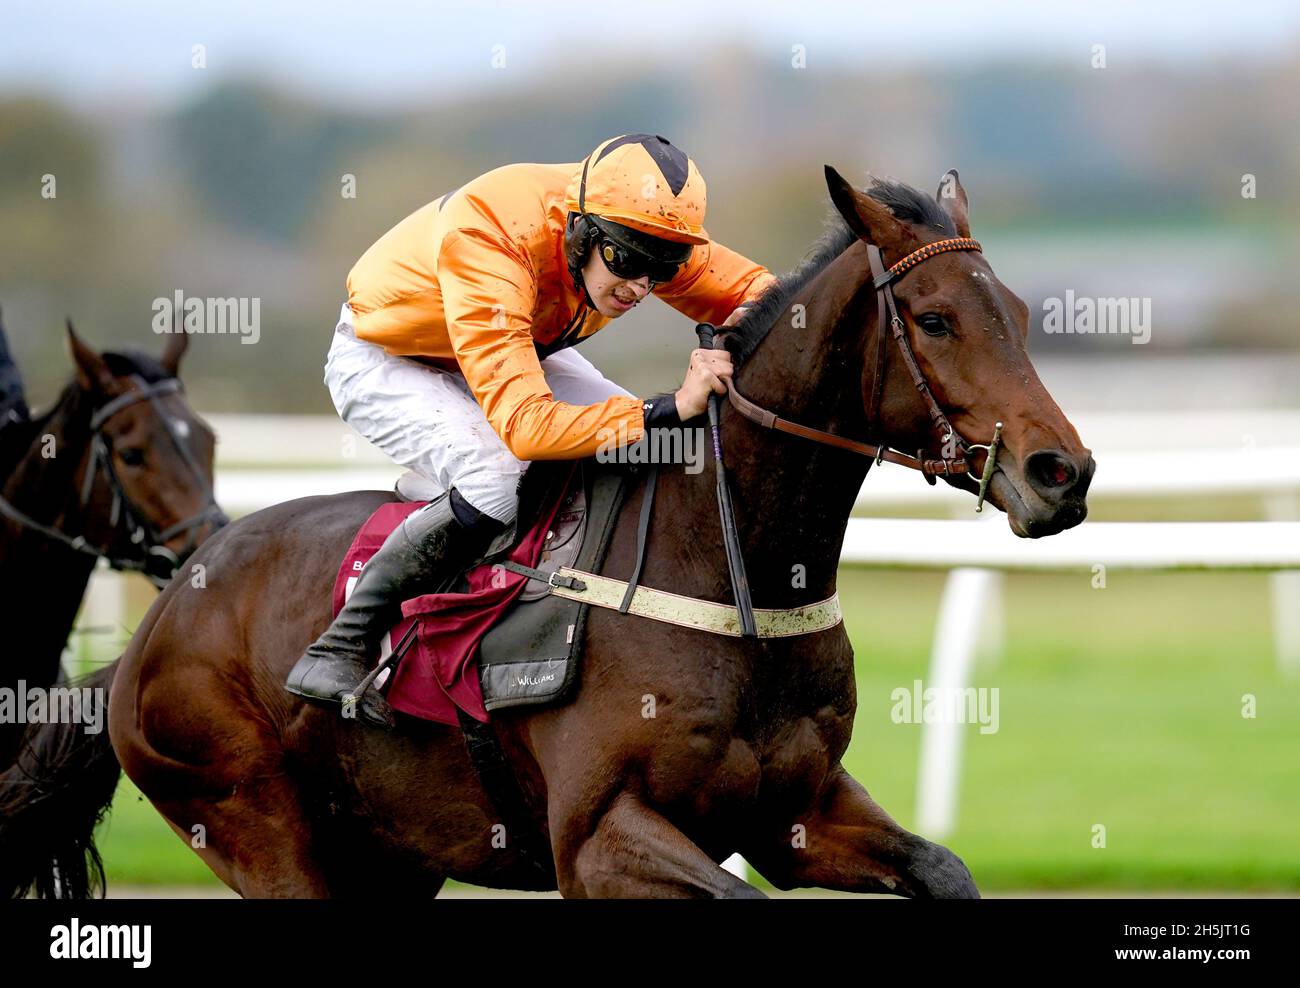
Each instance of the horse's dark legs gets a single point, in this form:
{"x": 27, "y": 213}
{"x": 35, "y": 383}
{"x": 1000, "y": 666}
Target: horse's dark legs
{"x": 848, "y": 843}
{"x": 635, "y": 853}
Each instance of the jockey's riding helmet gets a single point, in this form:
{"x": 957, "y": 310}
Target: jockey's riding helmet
{"x": 642, "y": 200}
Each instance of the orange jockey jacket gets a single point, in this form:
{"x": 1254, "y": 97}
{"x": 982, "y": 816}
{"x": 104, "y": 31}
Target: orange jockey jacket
{"x": 477, "y": 280}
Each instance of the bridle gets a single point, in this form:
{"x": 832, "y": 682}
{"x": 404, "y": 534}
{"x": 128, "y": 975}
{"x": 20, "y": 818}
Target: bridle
{"x": 882, "y": 280}
{"x": 155, "y": 561}
{"x": 887, "y": 311}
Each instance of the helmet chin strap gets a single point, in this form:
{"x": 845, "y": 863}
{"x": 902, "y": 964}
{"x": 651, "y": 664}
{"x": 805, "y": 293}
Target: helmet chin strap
{"x": 580, "y": 237}
{"x": 576, "y": 258}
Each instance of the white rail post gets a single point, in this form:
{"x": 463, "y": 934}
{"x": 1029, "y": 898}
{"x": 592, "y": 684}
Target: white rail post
{"x": 1285, "y": 586}
{"x": 103, "y": 612}
{"x": 956, "y": 634}
{"x": 993, "y": 624}
{"x": 991, "y": 636}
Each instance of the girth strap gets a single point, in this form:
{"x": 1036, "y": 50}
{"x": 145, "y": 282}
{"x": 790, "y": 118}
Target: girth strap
{"x": 498, "y": 780}
{"x": 554, "y": 579}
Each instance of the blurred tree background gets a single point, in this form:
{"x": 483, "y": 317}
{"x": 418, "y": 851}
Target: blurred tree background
{"x": 1122, "y": 182}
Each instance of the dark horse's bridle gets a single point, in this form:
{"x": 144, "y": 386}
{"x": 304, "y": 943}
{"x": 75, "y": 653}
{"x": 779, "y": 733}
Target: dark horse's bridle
{"x": 886, "y": 306}
{"x": 155, "y": 561}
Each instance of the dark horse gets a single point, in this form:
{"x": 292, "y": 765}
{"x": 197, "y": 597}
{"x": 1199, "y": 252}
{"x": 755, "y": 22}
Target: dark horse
{"x": 119, "y": 468}
{"x": 743, "y": 751}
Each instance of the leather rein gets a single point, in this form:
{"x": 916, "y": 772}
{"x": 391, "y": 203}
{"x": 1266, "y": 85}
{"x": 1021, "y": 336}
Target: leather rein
{"x": 887, "y": 311}
{"x": 154, "y": 556}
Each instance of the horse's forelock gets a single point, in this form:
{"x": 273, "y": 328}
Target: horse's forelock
{"x": 129, "y": 361}
{"x": 911, "y": 205}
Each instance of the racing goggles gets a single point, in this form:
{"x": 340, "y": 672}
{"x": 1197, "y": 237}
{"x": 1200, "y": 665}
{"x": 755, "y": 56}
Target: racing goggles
{"x": 629, "y": 264}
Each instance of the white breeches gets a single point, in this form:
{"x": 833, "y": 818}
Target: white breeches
{"x": 428, "y": 420}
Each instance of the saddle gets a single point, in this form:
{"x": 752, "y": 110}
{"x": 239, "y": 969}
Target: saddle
{"x": 496, "y": 635}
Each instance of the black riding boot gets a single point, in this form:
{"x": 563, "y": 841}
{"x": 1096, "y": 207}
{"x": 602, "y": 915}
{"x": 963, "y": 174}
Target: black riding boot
{"x": 430, "y": 545}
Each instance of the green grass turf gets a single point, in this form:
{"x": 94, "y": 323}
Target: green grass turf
{"x": 1119, "y": 706}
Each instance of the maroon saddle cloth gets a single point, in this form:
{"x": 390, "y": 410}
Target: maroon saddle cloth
{"x": 439, "y": 673}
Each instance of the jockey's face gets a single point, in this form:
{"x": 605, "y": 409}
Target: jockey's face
{"x": 611, "y": 294}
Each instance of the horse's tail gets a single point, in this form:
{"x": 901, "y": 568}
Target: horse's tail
{"x": 51, "y": 800}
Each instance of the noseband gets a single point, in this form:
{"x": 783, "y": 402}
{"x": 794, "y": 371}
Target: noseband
{"x": 888, "y": 318}
{"x": 125, "y": 512}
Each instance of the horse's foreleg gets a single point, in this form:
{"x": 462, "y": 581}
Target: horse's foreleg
{"x": 848, "y": 843}
{"x": 635, "y": 853}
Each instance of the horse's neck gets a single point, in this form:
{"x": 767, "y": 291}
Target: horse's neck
{"x": 41, "y": 582}
{"x": 42, "y": 482}
{"x": 792, "y": 496}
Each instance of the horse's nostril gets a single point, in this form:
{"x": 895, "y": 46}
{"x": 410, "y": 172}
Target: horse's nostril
{"x": 1050, "y": 472}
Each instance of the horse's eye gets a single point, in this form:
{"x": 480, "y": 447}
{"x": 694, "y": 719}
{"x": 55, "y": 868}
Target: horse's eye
{"x": 132, "y": 457}
{"x": 933, "y": 324}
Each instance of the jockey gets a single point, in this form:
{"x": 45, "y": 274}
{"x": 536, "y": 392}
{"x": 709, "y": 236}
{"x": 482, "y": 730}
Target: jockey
{"x": 453, "y": 354}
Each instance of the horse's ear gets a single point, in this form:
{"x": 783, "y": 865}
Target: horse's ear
{"x": 92, "y": 370}
{"x": 177, "y": 341}
{"x": 870, "y": 220}
{"x": 952, "y": 197}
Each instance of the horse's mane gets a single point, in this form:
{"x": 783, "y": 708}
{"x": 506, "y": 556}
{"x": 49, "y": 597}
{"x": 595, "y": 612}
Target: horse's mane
{"x": 904, "y": 202}
{"x": 16, "y": 440}
{"x": 744, "y": 337}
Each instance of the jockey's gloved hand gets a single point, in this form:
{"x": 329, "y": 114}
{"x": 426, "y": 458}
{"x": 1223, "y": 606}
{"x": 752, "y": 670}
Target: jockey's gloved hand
{"x": 661, "y": 412}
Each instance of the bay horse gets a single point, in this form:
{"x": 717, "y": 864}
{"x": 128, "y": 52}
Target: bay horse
{"x": 119, "y": 468}
{"x": 742, "y": 753}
